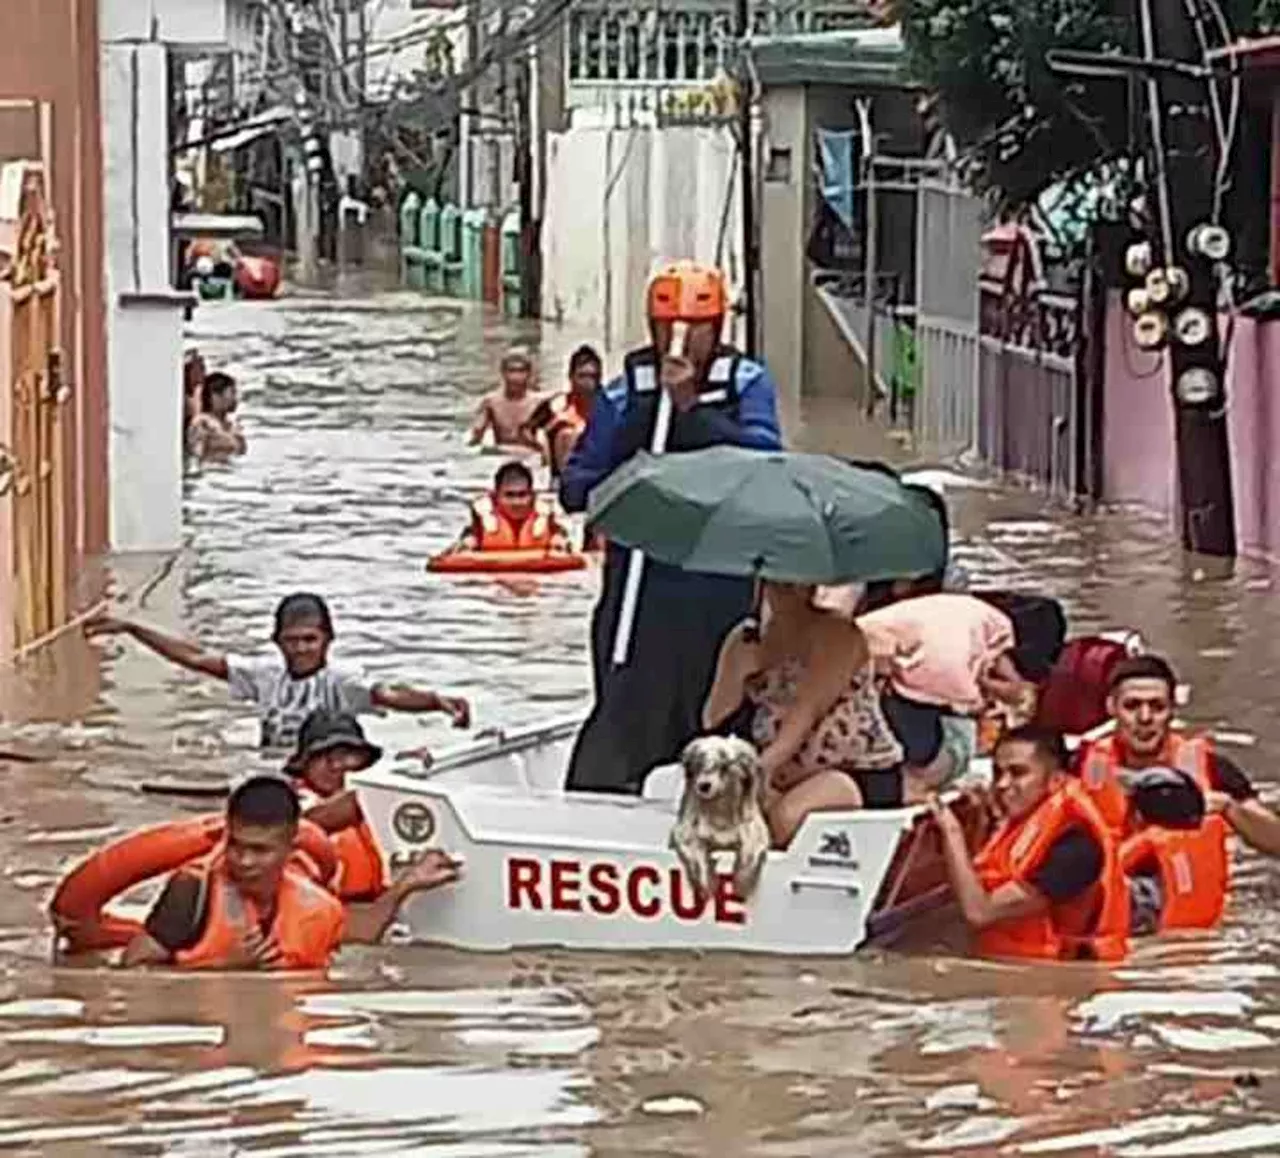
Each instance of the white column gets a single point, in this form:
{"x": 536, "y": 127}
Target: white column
{"x": 659, "y": 250}
{"x": 144, "y": 314}
{"x": 784, "y": 220}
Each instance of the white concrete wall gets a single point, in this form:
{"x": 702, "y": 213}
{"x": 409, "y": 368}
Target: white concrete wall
{"x": 784, "y": 220}
{"x": 621, "y": 201}
{"x": 194, "y": 24}
{"x": 144, "y": 315}
{"x": 145, "y": 367}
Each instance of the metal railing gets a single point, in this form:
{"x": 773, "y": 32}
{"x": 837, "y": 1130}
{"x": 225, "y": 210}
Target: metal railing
{"x": 643, "y": 47}
{"x": 1028, "y": 387}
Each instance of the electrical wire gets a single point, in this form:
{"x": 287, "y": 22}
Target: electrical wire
{"x": 1224, "y": 126}
{"x": 612, "y": 182}
{"x": 498, "y": 50}
{"x": 285, "y": 78}
{"x": 1157, "y": 133}
{"x": 1226, "y": 129}
{"x": 727, "y": 204}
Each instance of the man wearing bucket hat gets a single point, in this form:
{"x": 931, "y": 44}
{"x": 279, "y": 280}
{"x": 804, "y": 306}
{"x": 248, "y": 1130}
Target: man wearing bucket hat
{"x": 330, "y": 745}
{"x": 685, "y": 391}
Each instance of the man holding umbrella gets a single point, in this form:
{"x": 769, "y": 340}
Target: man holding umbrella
{"x": 657, "y": 628}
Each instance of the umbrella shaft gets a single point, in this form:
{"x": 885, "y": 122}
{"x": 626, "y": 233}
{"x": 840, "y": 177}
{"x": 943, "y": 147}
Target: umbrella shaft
{"x": 635, "y": 562}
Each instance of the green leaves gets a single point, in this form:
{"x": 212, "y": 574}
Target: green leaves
{"x": 1025, "y": 125}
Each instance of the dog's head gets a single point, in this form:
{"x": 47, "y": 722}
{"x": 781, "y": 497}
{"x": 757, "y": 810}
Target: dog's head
{"x": 721, "y": 768}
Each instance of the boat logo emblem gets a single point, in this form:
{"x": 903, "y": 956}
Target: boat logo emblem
{"x": 835, "y": 850}
{"x": 836, "y": 845}
{"x": 413, "y": 822}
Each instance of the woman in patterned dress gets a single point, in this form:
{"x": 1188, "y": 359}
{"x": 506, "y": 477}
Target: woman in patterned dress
{"x": 805, "y": 693}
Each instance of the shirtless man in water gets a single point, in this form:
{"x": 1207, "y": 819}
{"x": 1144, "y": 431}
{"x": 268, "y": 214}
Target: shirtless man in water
{"x": 214, "y": 431}
{"x": 507, "y": 410}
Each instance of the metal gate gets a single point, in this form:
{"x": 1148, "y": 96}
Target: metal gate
{"x": 33, "y": 480}
{"x": 949, "y": 223}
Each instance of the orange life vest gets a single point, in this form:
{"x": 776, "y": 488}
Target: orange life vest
{"x": 82, "y": 895}
{"x": 362, "y": 874}
{"x": 307, "y": 925}
{"x": 566, "y": 414}
{"x": 495, "y": 532}
{"x": 1193, "y": 863}
{"x": 1094, "y": 926}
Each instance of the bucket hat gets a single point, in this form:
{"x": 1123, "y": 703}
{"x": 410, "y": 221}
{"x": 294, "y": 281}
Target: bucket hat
{"x": 323, "y": 731}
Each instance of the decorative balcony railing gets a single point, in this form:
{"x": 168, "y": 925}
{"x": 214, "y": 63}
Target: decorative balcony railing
{"x": 621, "y": 47}
{"x": 1039, "y": 321}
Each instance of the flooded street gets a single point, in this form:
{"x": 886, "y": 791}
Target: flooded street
{"x": 356, "y": 414}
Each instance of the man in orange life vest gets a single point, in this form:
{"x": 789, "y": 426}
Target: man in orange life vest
{"x": 1179, "y": 878}
{"x": 511, "y": 518}
{"x": 1048, "y": 883}
{"x": 563, "y": 417}
{"x": 252, "y": 905}
{"x": 330, "y": 745}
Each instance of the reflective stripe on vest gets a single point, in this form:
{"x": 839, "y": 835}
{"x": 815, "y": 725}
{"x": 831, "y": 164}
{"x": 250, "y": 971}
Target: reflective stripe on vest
{"x": 644, "y": 379}
{"x": 1193, "y": 864}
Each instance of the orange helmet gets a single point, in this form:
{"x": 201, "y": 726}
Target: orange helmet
{"x": 686, "y": 291}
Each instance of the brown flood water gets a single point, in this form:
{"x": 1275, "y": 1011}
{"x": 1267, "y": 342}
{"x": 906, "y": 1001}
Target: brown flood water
{"x": 357, "y": 469}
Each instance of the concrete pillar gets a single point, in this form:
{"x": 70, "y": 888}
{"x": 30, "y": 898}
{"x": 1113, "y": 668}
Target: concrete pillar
{"x": 144, "y": 313}
{"x": 784, "y": 223}
{"x": 306, "y": 220}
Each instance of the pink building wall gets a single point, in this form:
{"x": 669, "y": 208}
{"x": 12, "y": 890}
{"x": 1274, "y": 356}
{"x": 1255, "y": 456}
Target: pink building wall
{"x": 1138, "y": 448}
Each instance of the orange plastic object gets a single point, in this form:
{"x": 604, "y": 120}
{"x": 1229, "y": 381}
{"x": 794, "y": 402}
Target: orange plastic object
{"x": 257, "y": 277}
{"x": 115, "y": 868}
{"x": 506, "y": 562}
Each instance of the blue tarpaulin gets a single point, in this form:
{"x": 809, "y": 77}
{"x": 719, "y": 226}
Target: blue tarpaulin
{"x": 837, "y": 149}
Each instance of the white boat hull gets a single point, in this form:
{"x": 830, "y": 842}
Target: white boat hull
{"x": 592, "y": 871}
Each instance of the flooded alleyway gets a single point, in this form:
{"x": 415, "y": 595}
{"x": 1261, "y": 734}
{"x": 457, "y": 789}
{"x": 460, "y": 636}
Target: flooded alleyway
{"x": 356, "y": 414}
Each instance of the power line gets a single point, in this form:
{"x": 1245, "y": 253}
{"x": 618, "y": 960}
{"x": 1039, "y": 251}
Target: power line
{"x": 498, "y": 49}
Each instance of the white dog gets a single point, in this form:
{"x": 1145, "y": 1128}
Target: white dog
{"x": 721, "y": 809}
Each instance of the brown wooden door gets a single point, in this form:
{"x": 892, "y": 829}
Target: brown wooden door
{"x": 38, "y": 403}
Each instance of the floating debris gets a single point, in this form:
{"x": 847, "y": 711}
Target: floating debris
{"x": 672, "y": 1105}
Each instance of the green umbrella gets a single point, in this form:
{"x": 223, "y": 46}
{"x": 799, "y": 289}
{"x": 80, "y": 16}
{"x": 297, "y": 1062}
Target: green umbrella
{"x": 799, "y": 518}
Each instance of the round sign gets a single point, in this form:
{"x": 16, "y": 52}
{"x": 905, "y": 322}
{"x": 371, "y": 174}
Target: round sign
{"x": 413, "y": 822}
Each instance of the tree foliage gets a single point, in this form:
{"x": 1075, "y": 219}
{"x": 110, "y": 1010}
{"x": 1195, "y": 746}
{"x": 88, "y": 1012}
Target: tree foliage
{"x": 1023, "y": 125}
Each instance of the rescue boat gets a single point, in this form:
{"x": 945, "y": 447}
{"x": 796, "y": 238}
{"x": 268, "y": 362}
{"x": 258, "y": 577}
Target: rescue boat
{"x": 542, "y": 867}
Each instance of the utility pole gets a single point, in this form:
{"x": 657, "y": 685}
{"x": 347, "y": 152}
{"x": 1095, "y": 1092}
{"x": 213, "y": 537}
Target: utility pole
{"x": 746, "y": 172}
{"x": 524, "y": 180}
{"x": 1181, "y": 197}
{"x": 470, "y": 101}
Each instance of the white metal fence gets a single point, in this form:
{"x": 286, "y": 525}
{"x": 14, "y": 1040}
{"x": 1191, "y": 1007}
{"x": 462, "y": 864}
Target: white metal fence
{"x": 949, "y": 224}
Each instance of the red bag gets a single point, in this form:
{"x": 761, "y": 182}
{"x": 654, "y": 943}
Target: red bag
{"x": 1073, "y": 700}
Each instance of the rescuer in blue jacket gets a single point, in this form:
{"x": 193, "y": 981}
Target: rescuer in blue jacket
{"x": 648, "y": 709}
